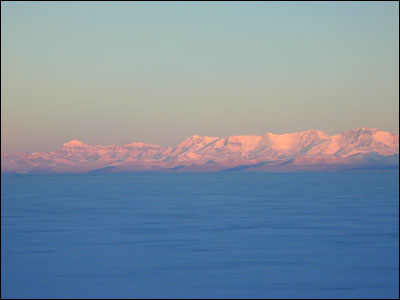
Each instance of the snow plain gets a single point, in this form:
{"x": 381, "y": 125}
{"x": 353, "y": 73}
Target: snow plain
{"x": 200, "y": 235}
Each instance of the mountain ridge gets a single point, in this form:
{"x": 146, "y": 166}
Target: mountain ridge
{"x": 305, "y": 150}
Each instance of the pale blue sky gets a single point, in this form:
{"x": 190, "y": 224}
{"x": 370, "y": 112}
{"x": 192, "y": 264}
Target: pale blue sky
{"x": 111, "y": 73}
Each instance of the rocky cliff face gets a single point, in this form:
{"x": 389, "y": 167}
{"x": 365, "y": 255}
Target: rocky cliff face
{"x": 363, "y": 148}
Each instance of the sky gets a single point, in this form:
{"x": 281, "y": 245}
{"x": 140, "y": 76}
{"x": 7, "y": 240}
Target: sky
{"x": 118, "y": 72}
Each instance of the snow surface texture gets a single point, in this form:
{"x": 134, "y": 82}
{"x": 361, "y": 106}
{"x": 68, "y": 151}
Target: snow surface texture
{"x": 200, "y": 235}
{"x": 363, "y": 148}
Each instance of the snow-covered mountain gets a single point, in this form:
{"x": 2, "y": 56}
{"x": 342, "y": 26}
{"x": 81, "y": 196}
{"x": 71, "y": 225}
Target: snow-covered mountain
{"x": 363, "y": 148}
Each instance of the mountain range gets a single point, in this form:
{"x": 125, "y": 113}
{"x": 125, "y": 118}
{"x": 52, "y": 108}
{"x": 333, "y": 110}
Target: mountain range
{"x": 358, "y": 149}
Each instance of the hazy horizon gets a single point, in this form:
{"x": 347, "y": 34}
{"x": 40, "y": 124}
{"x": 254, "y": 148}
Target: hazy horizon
{"x": 114, "y": 73}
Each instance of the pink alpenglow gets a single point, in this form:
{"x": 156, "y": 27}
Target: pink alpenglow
{"x": 358, "y": 149}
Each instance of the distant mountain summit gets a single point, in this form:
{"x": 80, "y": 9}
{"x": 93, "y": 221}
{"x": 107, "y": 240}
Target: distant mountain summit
{"x": 359, "y": 149}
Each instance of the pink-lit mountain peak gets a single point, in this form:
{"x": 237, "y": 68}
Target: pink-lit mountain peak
{"x": 74, "y": 143}
{"x": 364, "y": 146}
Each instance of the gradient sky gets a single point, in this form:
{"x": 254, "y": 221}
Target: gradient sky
{"x": 113, "y": 73}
